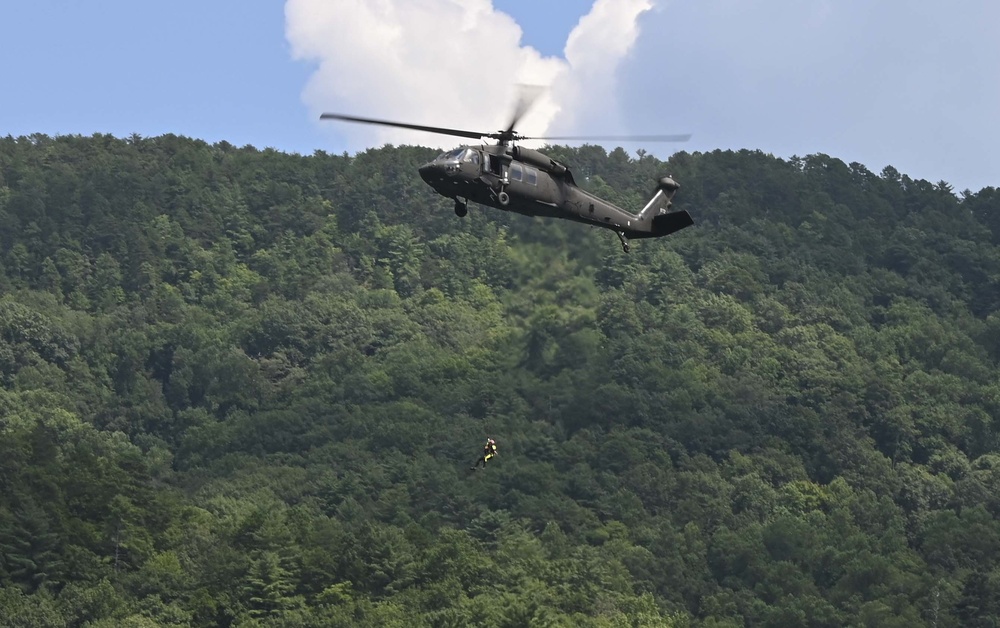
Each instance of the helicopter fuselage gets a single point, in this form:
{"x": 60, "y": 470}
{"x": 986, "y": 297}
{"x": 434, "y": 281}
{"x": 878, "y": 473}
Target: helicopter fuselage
{"x": 528, "y": 182}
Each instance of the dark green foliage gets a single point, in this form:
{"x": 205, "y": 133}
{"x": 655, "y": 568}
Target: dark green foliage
{"x": 243, "y": 388}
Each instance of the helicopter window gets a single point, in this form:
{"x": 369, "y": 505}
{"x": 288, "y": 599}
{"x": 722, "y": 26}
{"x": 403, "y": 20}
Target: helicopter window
{"x": 472, "y": 156}
{"x": 515, "y": 172}
{"x": 530, "y": 176}
{"x": 451, "y": 155}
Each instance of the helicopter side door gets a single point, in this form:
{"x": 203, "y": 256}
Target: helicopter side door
{"x": 496, "y": 165}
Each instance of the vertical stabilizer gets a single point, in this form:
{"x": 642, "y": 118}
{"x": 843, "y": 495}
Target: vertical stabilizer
{"x": 661, "y": 201}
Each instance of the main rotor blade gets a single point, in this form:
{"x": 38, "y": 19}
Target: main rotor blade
{"x": 403, "y": 125}
{"x": 527, "y": 95}
{"x": 615, "y": 138}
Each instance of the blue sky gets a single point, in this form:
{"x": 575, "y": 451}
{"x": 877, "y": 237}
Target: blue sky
{"x": 910, "y": 83}
{"x": 215, "y": 70}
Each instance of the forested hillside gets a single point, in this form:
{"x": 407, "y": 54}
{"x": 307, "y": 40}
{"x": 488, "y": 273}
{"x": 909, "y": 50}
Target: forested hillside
{"x": 242, "y": 387}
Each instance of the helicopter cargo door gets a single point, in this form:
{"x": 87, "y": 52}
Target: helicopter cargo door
{"x": 494, "y": 165}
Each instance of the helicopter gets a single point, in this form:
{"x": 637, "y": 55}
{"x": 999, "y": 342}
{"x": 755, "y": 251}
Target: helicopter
{"x": 526, "y": 181}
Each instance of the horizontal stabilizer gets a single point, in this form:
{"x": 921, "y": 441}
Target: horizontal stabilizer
{"x": 665, "y": 224}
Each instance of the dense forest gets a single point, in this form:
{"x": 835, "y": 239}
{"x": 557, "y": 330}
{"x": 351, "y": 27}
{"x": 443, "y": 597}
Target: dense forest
{"x": 243, "y": 387}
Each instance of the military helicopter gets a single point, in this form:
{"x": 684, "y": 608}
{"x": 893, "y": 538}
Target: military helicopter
{"x": 526, "y": 181}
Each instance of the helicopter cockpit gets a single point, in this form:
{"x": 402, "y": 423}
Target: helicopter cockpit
{"x": 452, "y": 155}
{"x": 459, "y": 155}
{"x": 463, "y": 161}
{"x": 463, "y": 158}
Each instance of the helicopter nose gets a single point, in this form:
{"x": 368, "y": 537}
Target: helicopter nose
{"x": 430, "y": 172}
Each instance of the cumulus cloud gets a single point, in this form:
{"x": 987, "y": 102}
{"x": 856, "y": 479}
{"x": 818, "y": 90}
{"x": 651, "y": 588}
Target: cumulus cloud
{"x": 903, "y": 82}
{"x": 452, "y": 63}
{"x": 594, "y": 50}
{"x": 908, "y": 83}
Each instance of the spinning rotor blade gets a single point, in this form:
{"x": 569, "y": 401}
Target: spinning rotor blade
{"x": 415, "y": 127}
{"x": 616, "y": 138}
{"x": 527, "y": 96}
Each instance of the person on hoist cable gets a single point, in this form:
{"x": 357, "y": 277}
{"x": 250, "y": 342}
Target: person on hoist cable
{"x": 489, "y": 451}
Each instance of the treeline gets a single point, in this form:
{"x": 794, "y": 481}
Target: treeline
{"x": 242, "y": 387}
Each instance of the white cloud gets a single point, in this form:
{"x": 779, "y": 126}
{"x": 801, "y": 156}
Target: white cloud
{"x": 910, "y": 83}
{"x": 452, "y": 63}
{"x": 903, "y": 82}
{"x": 594, "y": 50}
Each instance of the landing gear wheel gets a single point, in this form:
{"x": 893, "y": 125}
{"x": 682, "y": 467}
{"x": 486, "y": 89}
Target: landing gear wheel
{"x": 461, "y": 209}
{"x": 503, "y": 197}
{"x": 621, "y": 236}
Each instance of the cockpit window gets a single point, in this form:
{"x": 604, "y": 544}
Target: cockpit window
{"x": 471, "y": 156}
{"x": 453, "y": 155}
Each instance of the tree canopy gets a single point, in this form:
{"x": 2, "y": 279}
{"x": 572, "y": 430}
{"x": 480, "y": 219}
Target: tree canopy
{"x": 243, "y": 387}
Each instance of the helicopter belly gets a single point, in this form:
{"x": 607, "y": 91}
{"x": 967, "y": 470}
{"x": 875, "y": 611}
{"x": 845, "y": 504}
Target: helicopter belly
{"x": 538, "y": 208}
